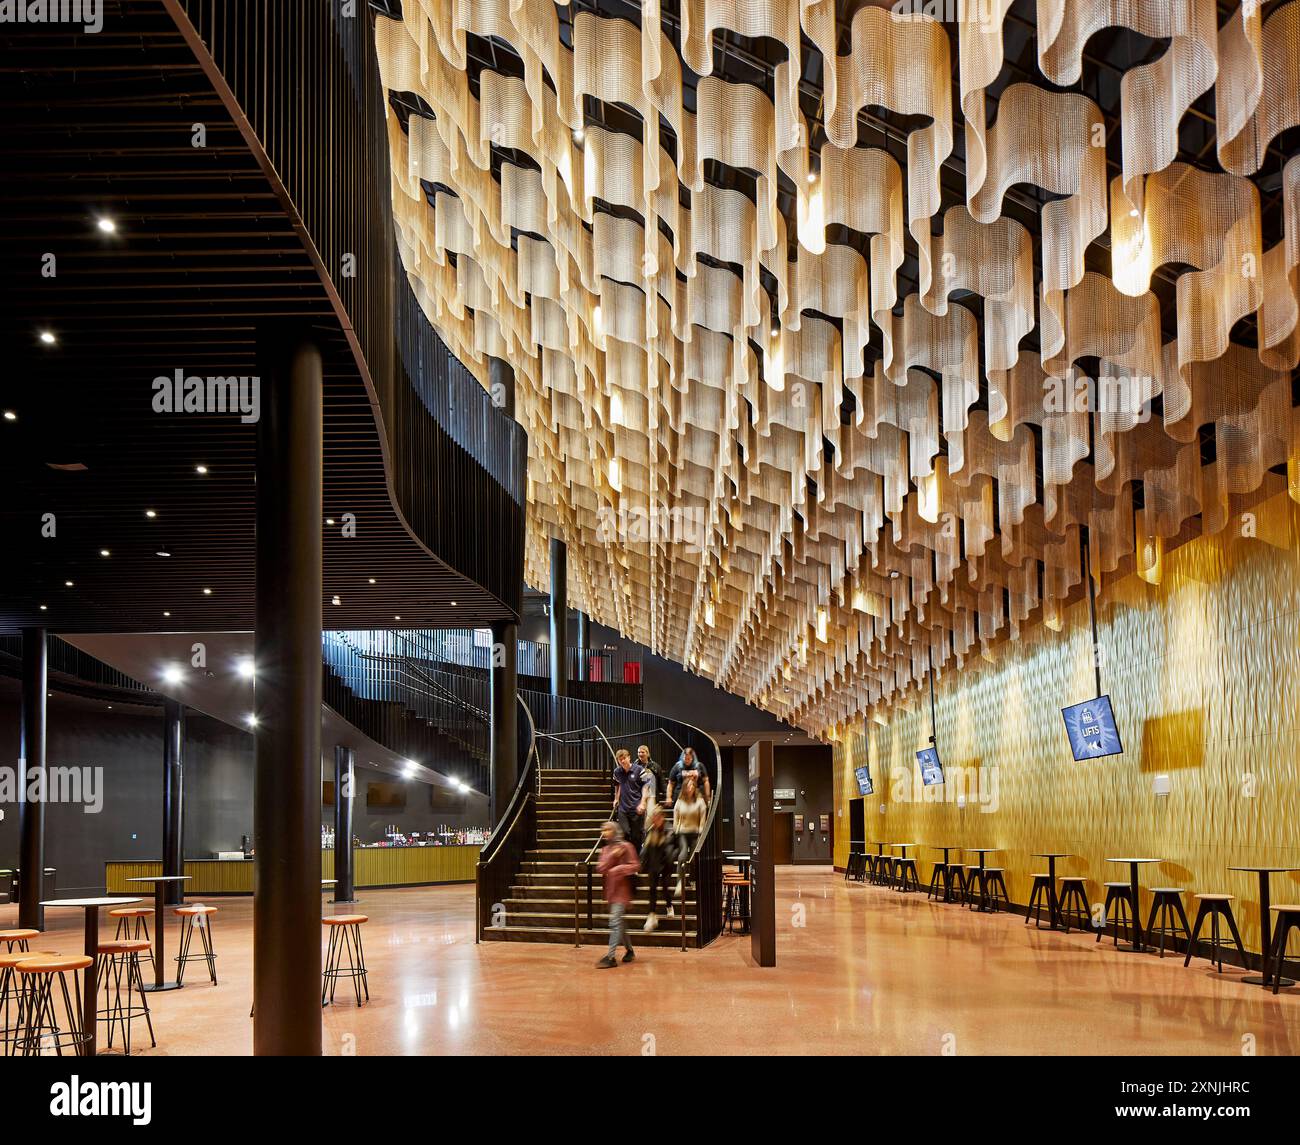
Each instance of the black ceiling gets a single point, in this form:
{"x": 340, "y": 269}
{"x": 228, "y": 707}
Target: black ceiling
{"x": 103, "y": 127}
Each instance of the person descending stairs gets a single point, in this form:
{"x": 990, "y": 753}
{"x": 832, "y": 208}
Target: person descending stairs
{"x": 571, "y": 807}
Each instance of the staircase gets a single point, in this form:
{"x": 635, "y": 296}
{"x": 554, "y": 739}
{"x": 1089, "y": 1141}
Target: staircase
{"x": 571, "y": 806}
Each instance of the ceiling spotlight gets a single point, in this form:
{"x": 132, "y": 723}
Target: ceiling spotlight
{"x": 462, "y": 786}
{"x": 150, "y": 514}
{"x": 411, "y": 768}
{"x": 43, "y": 608}
{"x": 1133, "y": 213}
{"x": 453, "y": 604}
{"x": 372, "y": 580}
{"x": 207, "y": 592}
{"x": 10, "y": 415}
{"x": 68, "y": 583}
{"x": 47, "y": 336}
{"x": 578, "y": 135}
{"x": 812, "y": 176}
{"x": 105, "y": 224}
{"x": 251, "y": 720}
{"x": 171, "y": 674}
{"x": 397, "y": 618}
{"x": 246, "y": 669}
{"x": 104, "y": 553}
{"x": 166, "y": 613}
{"x": 200, "y": 469}
{"x": 162, "y": 553}
{"x": 335, "y": 599}
{"x": 329, "y": 520}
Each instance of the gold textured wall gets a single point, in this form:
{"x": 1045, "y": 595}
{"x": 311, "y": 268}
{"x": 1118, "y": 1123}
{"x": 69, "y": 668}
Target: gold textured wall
{"x": 1203, "y": 671}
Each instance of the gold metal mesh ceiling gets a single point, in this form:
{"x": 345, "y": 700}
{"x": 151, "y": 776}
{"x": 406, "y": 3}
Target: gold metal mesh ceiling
{"x": 810, "y": 421}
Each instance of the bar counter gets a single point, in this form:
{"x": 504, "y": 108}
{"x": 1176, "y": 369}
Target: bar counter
{"x": 374, "y": 867}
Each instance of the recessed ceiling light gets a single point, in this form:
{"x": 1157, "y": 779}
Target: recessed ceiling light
{"x": 246, "y": 668}
{"x": 397, "y": 618}
{"x": 105, "y": 224}
{"x": 10, "y": 415}
{"x": 207, "y": 592}
{"x": 200, "y": 469}
{"x": 329, "y": 520}
{"x": 110, "y": 707}
{"x": 172, "y": 674}
{"x": 47, "y": 336}
{"x": 43, "y": 608}
{"x": 251, "y": 720}
{"x": 812, "y": 176}
{"x": 162, "y": 553}
{"x": 68, "y": 583}
{"x": 104, "y": 553}
{"x": 453, "y": 604}
{"x": 150, "y": 514}
{"x": 579, "y": 135}
{"x": 372, "y": 580}
{"x": 336, "y": 600}
{"x": 166, "y": 613}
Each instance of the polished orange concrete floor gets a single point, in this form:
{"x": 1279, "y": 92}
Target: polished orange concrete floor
{"x": 861, "y": 970}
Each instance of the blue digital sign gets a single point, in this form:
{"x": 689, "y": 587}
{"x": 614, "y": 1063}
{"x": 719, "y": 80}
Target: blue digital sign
{"x": 1091, "y": 728}
{"x": 931, "y": 769}
{"x": 864, "y": 780}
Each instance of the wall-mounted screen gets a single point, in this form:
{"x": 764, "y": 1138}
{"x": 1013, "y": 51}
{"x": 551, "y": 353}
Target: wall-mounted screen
{"x": 864, "y": 780}
{"x": 385, "y": 797}
{"x": 931, "y": 769}
{"x": 1091, "y": 728}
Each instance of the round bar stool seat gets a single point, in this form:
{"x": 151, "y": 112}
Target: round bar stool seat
{"x": 195, "y": 917}
{"x": 344, "y": 943}
{"x": 1072, "y": 902}
{"x": 119, "y": 973}
{"x": 39, "y": 1022}
{"x": 14, "y": 994}
{"x": 133, "y": 923}
{"x": 21, "y": 936}
{"x": 131, "y": 912}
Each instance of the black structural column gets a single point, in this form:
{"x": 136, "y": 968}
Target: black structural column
{"x": 501, "y": 385}
{"x": 173, "y": 832}
{"x": 504, "y": 750}
{"x": 287, "y": 653}
{"x": 344, "y": 878}
{"x": 31, "y": 814}
{"x": 559, "y": 618}
{"x": 584, "y": 639}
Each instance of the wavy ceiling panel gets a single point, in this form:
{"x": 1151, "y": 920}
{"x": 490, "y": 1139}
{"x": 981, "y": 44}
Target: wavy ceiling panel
{"x": 819, "y": 406}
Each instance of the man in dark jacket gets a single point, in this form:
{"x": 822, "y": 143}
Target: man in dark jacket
{"x": 657, "y": 862}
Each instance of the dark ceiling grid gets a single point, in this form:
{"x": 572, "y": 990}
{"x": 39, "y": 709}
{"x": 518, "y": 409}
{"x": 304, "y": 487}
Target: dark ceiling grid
{"x": 202, "y": 252}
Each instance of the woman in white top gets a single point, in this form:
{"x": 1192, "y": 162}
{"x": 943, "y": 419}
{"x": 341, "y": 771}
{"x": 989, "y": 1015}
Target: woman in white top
{"x": 689, "y": 813}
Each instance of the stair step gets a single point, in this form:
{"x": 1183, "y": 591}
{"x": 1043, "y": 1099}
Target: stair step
{"x": 560, "y": 904}
{"x": 564, "y": 918}
{"x": 593, "y": 937}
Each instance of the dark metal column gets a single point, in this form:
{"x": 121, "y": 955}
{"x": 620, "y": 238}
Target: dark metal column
{"x": 584, "y": 642}
{"x": 31, "y": 753}
{"x": 559, "y": 618}
{"x": 504, "y": 751}
{"x": 345, "y": 881}
{"x": 501, "y": 385}
{"x": 287, "y": 652}
{"x": 173, "y": 828}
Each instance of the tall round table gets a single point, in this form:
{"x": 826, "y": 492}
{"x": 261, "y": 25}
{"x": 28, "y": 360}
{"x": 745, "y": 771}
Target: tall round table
{"x": 1136, "y": 946}
{"x": 160, "y": 885}
{"x": 89, "y": 979}
{"x": 1265, "y": 925}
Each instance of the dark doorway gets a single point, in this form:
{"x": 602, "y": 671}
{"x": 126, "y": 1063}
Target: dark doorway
{"x": 783, "y": 838}
{"x": 857, "y": 825}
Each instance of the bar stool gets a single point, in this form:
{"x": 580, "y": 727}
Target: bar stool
{"x": 1288, "y": 919}
{"x": 19, "y": 938}
{"x": 1167, "y": 916}
{"x": 118, "y": 959}
{"x": 875, "y": 869}
{"x": 960, "y": 885}
{"x": 991, "y": 880}
{"x": 853, "y": 873}
{"x": 733, "y": 909}
{"x": 133, "y": 922}
{"x": 14, "y": 995}
{"x": 940, "y": 882}
{"x": 194, "y": 918}
{"x": 905, "y": 877}
{"x": 1039, "y": 897}
{"x": 345, "y": 938}
{"x": 1072, "y": 903}
{"x": 40, "y": 1024}
{"x": 1216, "y": 906}
{"x": 1121, "y": 895}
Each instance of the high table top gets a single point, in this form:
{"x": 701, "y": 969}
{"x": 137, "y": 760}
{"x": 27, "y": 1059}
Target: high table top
{"x": 1135, "y": 860}
{"x": 981, "y": 850}
{"x": 110, "y": 900}
{"x": 329, "y": 882}
{"x": 1050, "y": 855}
{"x": 943, "y": 846}
{"x": 1265, "y": 870}
{"x": 160, "y": 879}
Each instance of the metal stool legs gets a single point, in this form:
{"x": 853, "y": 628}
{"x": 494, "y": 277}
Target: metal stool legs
{"x": 345, "y": 941}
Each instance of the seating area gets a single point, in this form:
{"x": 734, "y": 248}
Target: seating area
{"x": 1058, "y": 903}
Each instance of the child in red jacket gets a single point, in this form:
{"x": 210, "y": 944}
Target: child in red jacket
{"x": 618, "y": 866}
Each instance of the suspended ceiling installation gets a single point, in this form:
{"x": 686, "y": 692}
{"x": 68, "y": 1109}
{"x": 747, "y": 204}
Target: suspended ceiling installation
{"x": 870, "y": 322}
